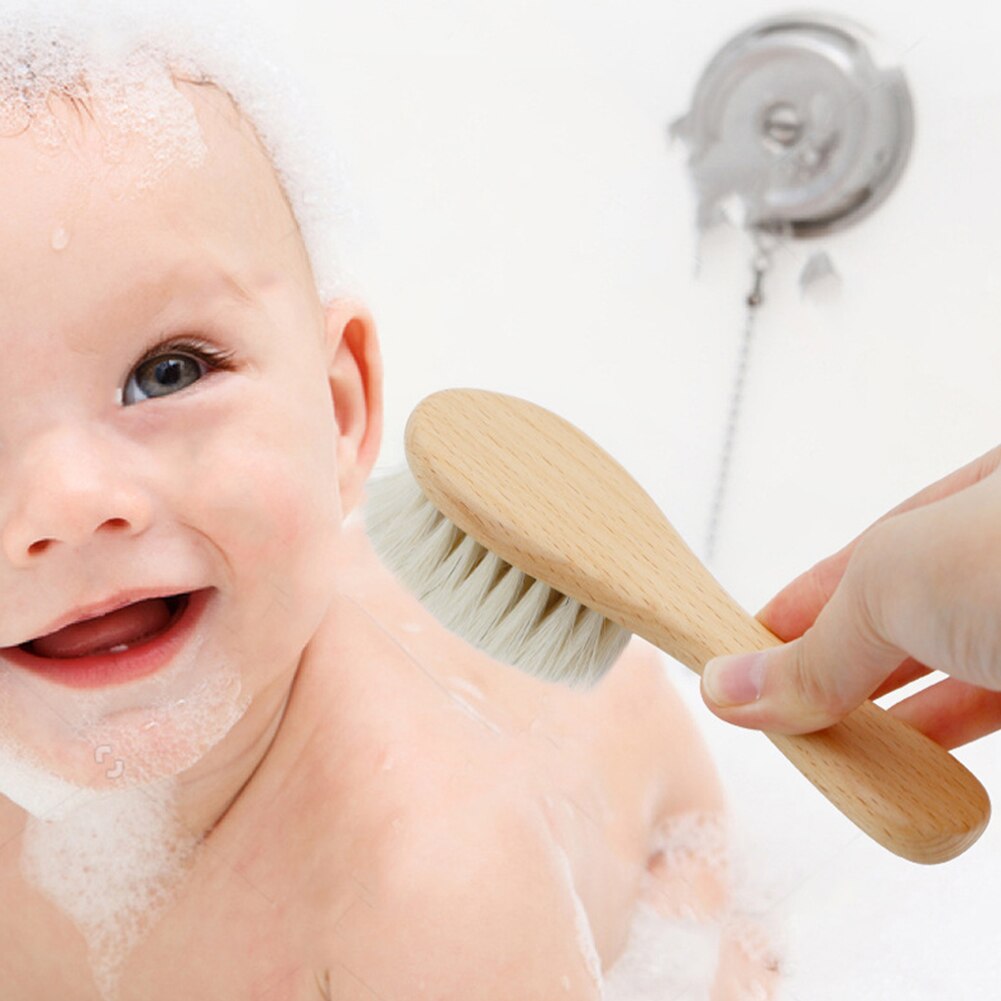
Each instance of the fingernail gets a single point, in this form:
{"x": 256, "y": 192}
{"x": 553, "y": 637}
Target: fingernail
{"x": 735, "y": 680}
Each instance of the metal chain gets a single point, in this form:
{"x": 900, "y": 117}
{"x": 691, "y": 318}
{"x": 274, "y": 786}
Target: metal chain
{"x": 760, "y": 265}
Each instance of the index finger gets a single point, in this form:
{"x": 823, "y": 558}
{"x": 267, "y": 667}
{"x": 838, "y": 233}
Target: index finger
{"x": 793, "y": 610}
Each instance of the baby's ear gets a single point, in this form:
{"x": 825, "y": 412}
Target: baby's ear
{"x": 354, "y": 366}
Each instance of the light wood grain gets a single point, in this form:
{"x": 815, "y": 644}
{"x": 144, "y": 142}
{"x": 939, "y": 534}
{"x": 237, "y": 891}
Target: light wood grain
{"x": 546, "y": 498}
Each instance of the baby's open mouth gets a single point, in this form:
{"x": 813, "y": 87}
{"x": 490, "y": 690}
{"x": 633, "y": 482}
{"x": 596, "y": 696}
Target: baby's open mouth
{"x": 114, "y": 632}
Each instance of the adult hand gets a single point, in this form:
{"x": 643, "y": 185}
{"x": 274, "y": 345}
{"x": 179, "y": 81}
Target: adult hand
{"x": 917, "y": 591}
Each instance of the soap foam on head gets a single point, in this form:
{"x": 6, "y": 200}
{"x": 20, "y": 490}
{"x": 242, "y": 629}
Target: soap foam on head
{"x": 124, "y": 57}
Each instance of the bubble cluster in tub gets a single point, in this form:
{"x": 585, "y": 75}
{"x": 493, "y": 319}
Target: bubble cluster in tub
{"x": 678, "y": 957}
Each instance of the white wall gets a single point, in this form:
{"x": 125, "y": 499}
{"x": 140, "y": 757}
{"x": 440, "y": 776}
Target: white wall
{"x": 531, "y": 232}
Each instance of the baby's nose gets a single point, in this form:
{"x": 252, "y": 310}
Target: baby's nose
{"x": 67, "y": 489}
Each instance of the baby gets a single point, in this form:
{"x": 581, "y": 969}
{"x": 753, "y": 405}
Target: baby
{"x": 293, "y": 784}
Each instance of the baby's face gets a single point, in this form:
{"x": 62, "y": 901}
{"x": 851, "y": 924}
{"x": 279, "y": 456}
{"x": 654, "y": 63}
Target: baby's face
{"x": 173, "y": 475}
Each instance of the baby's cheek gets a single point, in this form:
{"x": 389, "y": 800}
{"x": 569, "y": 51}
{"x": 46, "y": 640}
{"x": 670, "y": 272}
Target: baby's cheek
{"x": 266, "y": 516}
{"x": 264, "y": 507}
{"x": 282, "y": 521}
{"x": 292, "y": 541}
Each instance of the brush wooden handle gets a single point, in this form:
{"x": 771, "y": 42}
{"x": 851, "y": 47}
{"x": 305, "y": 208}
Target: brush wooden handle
{"x": 543, "y": 496}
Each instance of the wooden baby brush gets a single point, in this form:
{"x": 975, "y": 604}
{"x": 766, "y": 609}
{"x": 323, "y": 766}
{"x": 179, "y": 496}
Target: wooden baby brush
{"x": 523, "y": 536}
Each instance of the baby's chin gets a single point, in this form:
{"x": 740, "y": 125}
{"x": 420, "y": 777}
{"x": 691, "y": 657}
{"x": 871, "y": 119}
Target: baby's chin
{"x": 53, "y": 755}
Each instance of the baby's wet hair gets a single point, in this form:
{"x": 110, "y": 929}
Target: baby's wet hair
{"x": 117, "y": 63}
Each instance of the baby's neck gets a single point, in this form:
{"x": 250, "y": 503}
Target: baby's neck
{"x": 209, "y": 791}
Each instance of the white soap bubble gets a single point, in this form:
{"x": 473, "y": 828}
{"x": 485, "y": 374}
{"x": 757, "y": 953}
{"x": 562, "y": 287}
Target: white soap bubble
{"x": 112, "y": 864}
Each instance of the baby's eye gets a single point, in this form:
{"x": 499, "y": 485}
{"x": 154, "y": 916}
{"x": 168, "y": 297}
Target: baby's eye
{"x": 172, "y": 365}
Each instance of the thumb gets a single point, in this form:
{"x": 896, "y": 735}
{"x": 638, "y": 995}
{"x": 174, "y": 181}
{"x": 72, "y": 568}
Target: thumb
{"x": 814, "y": 680}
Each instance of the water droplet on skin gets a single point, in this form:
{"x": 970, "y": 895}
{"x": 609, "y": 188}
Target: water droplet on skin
{"x": 60, "y": 238}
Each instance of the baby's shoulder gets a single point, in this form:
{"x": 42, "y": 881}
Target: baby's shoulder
{"x": 462, "y": 893}
{"x": 645, "y": 731}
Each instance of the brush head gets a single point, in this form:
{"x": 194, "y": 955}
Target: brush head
{"x": 491, "y": 604}
{"x": 546, "y": 499}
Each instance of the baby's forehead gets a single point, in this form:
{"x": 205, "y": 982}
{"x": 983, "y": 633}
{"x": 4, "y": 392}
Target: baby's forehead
{"x": 225, "y": 148}
{"x": 229, "y": 194}
{"x": 171, "y": 71}
{"x": 89, "y": 258}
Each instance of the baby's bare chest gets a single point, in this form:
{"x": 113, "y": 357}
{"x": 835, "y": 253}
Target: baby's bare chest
{"x": 225, "y": 933}
{"x": 236, "y": 932}
{"x": 265, "y": 915}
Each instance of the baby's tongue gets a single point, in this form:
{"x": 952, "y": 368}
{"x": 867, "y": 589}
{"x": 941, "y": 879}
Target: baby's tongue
{"x": 127, "y": 625}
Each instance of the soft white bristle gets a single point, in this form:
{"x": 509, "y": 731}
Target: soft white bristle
{"x": 497, "y": 608}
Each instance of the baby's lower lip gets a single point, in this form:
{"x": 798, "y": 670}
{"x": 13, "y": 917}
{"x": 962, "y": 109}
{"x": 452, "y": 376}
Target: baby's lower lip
{"x": 98, "y": 670}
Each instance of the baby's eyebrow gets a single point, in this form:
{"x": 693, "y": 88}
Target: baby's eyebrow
{"x": 228, "y": 286}
{"x": 202, "y": 285}
{"x": 208, "y": 283}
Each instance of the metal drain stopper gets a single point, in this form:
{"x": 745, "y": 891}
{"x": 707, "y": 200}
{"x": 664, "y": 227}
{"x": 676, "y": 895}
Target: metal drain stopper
{"x": 796, "y": 116}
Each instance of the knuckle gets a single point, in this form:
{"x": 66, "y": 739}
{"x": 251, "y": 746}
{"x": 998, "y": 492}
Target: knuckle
{"x": 823, "y": 578}
{"x": 813, "y": 686}
{"x": 863, "y": 589}
{"x": 973, "y": 648}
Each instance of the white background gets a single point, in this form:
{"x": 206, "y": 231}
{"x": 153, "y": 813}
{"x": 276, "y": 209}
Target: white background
{"x": 531, "y": 232}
